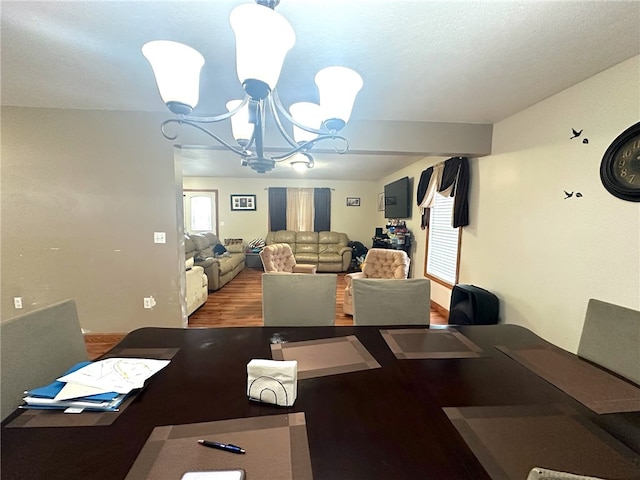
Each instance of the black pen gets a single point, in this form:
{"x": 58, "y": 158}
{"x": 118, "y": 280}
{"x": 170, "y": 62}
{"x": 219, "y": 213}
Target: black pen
{"x": 227, "y": 447}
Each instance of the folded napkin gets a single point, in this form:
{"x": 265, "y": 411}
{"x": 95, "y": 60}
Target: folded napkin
{"x": 272, "y": 381}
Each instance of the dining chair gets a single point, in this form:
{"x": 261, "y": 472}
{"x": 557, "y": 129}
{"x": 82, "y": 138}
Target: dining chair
{"x": 611, "y": 338}
{"x": 36, "y": 348}
{"x": 379, "y": 263}
{"x": 278, "y": 257}
{"x": 389, "y": 301}
{"x": 298, "y": 299}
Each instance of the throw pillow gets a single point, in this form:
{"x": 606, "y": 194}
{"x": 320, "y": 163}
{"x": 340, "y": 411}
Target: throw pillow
{"x": 219, "y": 249}
{"x": 235, "y": 248}
{"x": 257, "y": 243}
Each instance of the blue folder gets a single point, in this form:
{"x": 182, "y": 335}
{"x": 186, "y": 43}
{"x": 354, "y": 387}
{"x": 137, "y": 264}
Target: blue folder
{"x": 51, "y": 390}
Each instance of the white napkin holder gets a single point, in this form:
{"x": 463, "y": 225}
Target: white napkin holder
{"x": 272, "y": 381}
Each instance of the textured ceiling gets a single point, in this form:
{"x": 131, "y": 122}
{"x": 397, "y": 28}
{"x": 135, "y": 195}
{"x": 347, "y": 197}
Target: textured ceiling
{"x": 422, "y": 61}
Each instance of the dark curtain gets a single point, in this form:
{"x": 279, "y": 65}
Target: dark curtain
{"x": 277, "y": 209}
{"x": 322, "y": 207}
{"x": 456, "y": 173}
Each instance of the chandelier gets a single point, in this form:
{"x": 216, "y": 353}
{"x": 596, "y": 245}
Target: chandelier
{"x": 263, "y": 38}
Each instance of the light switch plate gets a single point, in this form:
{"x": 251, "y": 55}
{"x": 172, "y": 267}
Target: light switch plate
{"x": 159, "y": 237}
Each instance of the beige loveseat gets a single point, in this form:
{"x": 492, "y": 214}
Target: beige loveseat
{"x": 328, "y": 251}
{"x": 219, "y": 268}
{"x": 196, "y": 286}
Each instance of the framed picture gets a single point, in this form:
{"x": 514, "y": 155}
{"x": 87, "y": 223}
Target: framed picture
{"x": 243, "y": 202}
{"x": 353, "y": 201}
{"x": 381, "y": 202}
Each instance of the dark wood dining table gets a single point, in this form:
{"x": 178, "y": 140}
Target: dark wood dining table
{"x": 380, "y": 423}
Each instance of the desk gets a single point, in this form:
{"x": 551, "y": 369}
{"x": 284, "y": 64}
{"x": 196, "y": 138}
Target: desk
{"x": 383, "y": 423}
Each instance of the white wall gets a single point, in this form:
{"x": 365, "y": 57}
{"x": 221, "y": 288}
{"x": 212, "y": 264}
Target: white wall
{"x": 545, "y": 256}
{"x": 356, "y": 222}
{"x": 82, "y": 194}
{"x": 439, "y": 294}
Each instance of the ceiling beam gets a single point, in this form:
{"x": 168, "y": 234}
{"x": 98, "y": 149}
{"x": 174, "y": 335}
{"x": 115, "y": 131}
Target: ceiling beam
{"x": 376, "y": 138}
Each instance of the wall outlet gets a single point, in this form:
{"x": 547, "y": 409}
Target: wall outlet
{"x": 221, "y": 224}
{"x": 159, "y": 237}
{"x": 149, "y": 302}
{"x": 17, "y": 302}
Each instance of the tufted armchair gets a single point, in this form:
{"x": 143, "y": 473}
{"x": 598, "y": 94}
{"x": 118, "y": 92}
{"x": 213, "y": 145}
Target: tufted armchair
{"x": 279, "y": 258}
{"x": 379, "y": 263}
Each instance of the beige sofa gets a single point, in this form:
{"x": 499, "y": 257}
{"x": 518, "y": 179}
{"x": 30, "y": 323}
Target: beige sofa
{"x": 219, "y": 268}
{"x": 328, "y": 251}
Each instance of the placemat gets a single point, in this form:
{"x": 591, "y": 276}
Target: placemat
{"x": 510, "y": 440}
{"x": 594, "y": 388}
{"x": 412, "y": 343}
{"x": 276, "y": 448}
{"x": 329, "y": 356}
{"x": 56, "y": 418}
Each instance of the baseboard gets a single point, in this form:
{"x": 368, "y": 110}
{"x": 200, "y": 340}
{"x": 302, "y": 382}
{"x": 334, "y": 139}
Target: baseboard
{"x": 440, "y": 309}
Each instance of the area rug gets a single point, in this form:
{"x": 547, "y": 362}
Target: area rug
{"x": 413, "y": 343}
{"x": 329, "y": 356}
{"x": 596, "y": 389}
{"x": 56, "y": 418}
{"x": 276, "y": 447}
{"x": 510, "y": 440}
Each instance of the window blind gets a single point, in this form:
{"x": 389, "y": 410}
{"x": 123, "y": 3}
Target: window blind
{"x": 442, "y": 252}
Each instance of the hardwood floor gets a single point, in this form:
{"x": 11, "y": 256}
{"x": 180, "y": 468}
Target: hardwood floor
{"x": 237, "y": 304}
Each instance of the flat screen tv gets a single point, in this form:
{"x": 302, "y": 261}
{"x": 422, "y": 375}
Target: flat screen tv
{"x": 397, "y": 199}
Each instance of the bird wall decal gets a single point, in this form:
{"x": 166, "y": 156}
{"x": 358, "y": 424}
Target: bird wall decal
{"x": 576, "y": 133}
{"x": 570, "y": 194}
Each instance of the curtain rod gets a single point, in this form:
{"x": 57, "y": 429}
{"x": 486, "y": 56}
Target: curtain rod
{"x": 332, "y": 189}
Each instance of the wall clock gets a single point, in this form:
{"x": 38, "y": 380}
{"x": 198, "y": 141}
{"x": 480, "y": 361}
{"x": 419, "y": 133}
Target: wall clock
{"x": 620, "y": 167}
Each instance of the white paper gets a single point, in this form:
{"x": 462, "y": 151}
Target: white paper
{"x": 219, "y": 475}
{"x": 116, "y": 374}
{"x": 74, "y": 390}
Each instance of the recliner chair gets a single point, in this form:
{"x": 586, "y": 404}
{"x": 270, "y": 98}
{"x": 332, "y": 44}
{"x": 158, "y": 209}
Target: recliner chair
{"x": 278, "y": 257}
{"x": 379, "y": 263}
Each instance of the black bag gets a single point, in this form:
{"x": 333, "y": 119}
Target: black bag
{"x": 358, "y": 249}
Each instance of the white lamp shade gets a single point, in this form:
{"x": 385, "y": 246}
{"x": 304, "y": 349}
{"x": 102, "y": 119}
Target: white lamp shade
{"x": 240, "y": 126}
{"x": 177, "y": 70}
{"x": 338, "y": 87}
{"x": 263, "y": 38}
{"x": 307, "y": 114}
{"x": 300, "y": 163}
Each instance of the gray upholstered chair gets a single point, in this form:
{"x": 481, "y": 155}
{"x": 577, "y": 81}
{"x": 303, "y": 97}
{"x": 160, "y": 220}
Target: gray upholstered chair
{"x": 379, "y": 263}
{"x": 389, "y": 301}
{"x": 611, "y": 338}
{"x": 298, "y": 299}
{"x": 38, "y": 347}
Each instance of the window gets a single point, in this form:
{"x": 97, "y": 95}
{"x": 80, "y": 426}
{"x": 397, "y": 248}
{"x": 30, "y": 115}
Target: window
{"x": 200, "y": 211}
{"x": 443, "y": 243}
{"x": 300, "y": 209}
